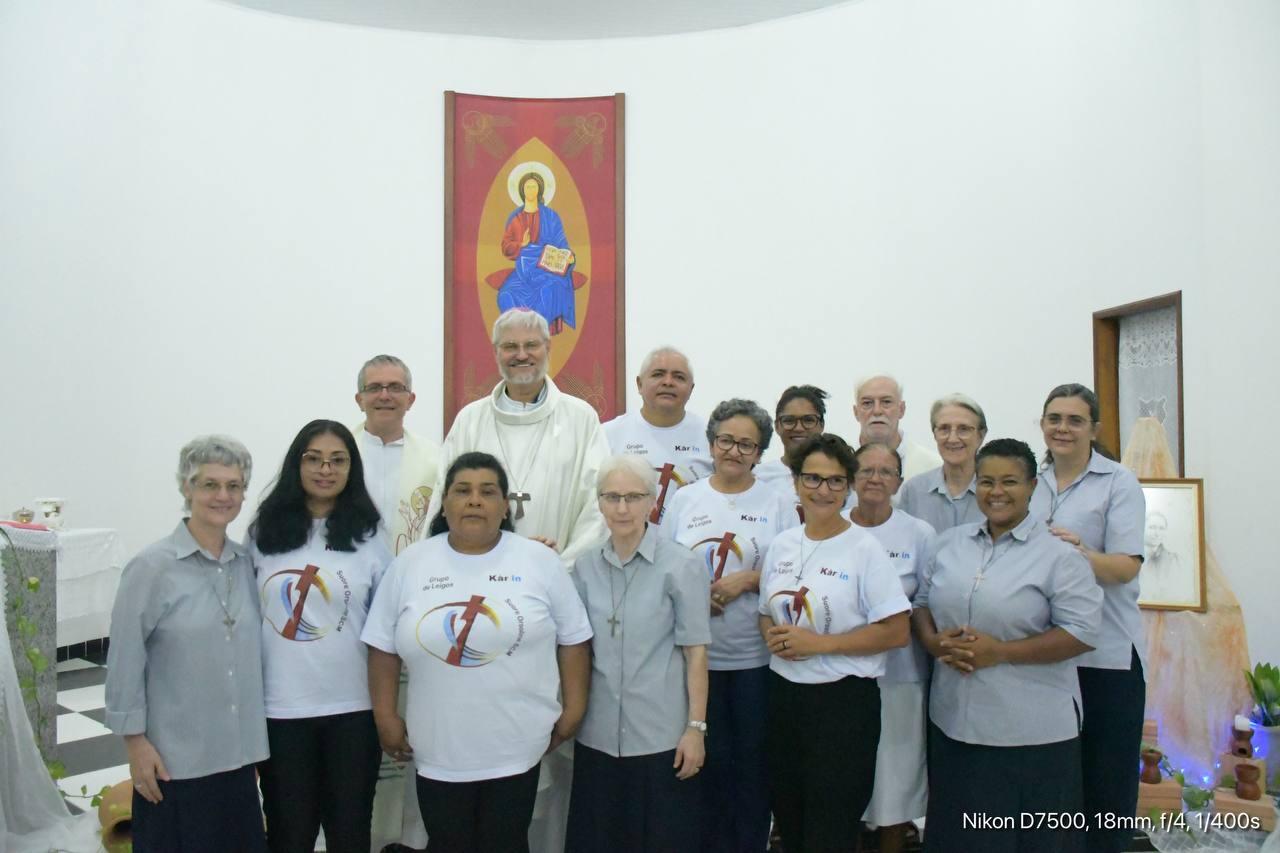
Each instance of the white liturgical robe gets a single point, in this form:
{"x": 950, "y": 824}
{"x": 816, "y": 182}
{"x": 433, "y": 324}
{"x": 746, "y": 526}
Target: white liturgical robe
{"x": 551, "y": 452}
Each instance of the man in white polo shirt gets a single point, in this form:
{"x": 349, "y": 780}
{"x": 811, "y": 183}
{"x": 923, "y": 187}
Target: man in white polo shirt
{"x": 879, "y": 407}
{"x": 399, "y": 467}
{"x": 671, "y": 439}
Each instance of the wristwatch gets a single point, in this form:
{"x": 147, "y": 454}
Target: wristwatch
{"x": 700, "y": 725}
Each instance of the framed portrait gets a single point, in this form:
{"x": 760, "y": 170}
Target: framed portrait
{"x": 533, "y": 219}
{"x": 1173, "y": 567}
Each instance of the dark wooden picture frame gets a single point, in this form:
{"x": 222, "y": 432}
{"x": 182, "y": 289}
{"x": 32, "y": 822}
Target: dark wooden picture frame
{"x": 1106, "y": 367}
{"x": 1182, "y": 561}
{"x": 606, "y": 389}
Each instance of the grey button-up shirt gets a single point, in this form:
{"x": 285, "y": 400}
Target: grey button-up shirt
{"x": 639, "y": 703}
{"x": 1105, "y": 507}
{"x": 926, "y": 497}
{"x": 1032, "y": 581}
{"x": 175, "y": 671}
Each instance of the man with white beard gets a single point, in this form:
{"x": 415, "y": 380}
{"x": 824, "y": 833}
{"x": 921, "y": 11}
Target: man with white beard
{"x": 879, "y": 407}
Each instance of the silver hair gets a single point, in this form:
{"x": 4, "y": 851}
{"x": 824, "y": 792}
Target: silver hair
{"x": 963, "y": 401}
{"x": 211, "y": 450}
{"x": 857, "y": 389}
{"x": 520, "y": 318}
{"x": 628, "y": 463}
{"x": 748, "y": 408}
{"x": 664, "y": 350}
{"x": 378, "y": 361}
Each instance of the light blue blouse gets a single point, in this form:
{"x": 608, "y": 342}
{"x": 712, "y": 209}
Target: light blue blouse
{"x": 1105, "y": 507}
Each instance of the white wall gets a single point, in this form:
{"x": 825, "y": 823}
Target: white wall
{"x": 209, "y": 217}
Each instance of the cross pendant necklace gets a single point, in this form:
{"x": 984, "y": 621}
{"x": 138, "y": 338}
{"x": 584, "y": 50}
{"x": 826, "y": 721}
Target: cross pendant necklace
{"x": 227, "y": 619}
{"x": 613, "y": 619}
{"x": 519, "y": 495}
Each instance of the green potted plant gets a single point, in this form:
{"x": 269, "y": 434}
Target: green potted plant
{"x": 1264, "y": 684}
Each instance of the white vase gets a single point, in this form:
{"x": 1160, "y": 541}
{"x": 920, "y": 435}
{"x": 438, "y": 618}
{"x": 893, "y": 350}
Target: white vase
{"x": 1266, "y": 745}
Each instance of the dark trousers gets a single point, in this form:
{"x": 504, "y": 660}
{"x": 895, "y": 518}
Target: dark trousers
{"x": 1111, "y": 735}
{"x": 631, "y": 805}
{"x": 322, "y": 772}
{"x": 212, "y": 814}
{"x": 822, "y": 760}
{"x": 735, "y": 779}
{"x": 489, "y": 816}
{"x": 994, "y": 788}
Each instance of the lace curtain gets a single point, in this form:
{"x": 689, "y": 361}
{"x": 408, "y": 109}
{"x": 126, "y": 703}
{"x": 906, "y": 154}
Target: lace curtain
{"x": 1148, "y": 370}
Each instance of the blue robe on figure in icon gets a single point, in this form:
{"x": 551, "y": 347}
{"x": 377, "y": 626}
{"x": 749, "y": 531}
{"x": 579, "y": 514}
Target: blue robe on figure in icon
{"x": 529, "y": 285}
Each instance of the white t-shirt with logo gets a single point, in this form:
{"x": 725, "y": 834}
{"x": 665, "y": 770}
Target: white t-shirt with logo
{"x": 679, "y": 454}
{"x": 731, "y": 533}
{"x": 314, "y": 602}
{"x": 907, "y": 542}
{"x": 478, "y": 634}
{"x": 844, "y": 582}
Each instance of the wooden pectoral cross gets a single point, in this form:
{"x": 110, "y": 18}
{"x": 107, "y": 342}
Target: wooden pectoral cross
{"x": 519, "y": 498}
{"x": 613, "y": 625}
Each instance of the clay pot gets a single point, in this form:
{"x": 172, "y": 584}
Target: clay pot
{"x": 1151, "y": 766}
{"x": 1247, "y": 787}
{"x": 1242, "y": 743}
{"x": 115, "y": 813}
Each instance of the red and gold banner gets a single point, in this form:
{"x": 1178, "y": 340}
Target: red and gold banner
{"x": 534, "y": 219}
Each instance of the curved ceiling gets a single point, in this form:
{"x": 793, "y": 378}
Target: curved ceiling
{"x": 551, "y": 20}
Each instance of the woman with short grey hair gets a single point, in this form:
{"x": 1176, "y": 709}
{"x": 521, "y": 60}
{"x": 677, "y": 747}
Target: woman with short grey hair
{"x": 728, "y": 521}
{"x": 184, "y": 668}
{"x": 648, "y": 604}
{"x": 945, "y": 497}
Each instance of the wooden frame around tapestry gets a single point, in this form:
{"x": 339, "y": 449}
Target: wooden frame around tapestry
{"x": 492, "y": 261}
{"x": 1106, "y": 367}
{"x": 1173, "y": 571}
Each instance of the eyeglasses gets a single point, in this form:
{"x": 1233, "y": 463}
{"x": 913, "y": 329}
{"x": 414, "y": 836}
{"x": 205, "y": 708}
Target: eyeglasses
{"x": 838, "y": 483}
{"x": 883, "y": 473}
{"x": 510, "y": 348}
{"x": 1074, "y": 422}
{"x": 315, "y": 462}
{"x": 806, "y": 421}
{"x": 613, "y": 498}
{"x": 960, "y": 430}
{"x": 212, "y": 487}
{"x": 389, "y": 387}
{"x": 745, "y": 446}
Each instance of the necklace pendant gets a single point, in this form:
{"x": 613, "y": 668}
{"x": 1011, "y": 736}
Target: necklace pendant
{"x": 519, "y": 498}
{"x": 229, "y": 622}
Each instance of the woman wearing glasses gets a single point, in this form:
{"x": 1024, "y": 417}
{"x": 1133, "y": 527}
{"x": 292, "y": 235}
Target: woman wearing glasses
{"x": 800, "y": 415}
{"x": 641, "y": 742}
{"x": 945, "y": 496}
{"x": 831, "y": 606}
{"x": 184, "y": 670}
{"x": 319, "y": 559}
{"x": 899, "y": 796}
{"x": 1096, "y": 505}
{"x": 728, "y": 521}
{"x": 1004, "y": 607}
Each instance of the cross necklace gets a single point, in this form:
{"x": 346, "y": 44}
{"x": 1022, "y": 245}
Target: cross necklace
{"x": 613, "y": 620}
{"x": 981, "y": 574}
{"x": 227, "y": 619}
{"x": 520, "y": 495}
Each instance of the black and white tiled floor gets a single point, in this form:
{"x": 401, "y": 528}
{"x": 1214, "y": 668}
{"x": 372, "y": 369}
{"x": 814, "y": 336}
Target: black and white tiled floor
{"x": 93, "y": 756}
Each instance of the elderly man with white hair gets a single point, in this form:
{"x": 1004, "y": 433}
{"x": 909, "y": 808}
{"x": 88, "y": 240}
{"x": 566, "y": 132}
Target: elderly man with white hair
{"x": 878, "y": 406}
{"x": 666, "y": 435}
{"x": 551, "y": 446}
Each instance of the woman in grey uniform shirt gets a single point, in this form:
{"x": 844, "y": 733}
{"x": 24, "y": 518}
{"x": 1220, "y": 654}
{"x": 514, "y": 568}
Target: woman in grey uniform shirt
{"x": 184, "y": 672}
{"x": 1096, "y": 505}
{"x": 640, "y": 746}
{"x": 1003, "y": 609}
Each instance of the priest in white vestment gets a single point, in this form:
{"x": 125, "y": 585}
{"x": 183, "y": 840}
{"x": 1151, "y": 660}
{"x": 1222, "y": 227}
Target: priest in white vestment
{"x": 551, "y": 445}
{"x": 670, "y": 438}
{"x": 879, "y": 407}
{"x": 400, "y": 470}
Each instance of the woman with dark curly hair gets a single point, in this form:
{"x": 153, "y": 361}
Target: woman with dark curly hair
{"x": 319, "y": 559}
